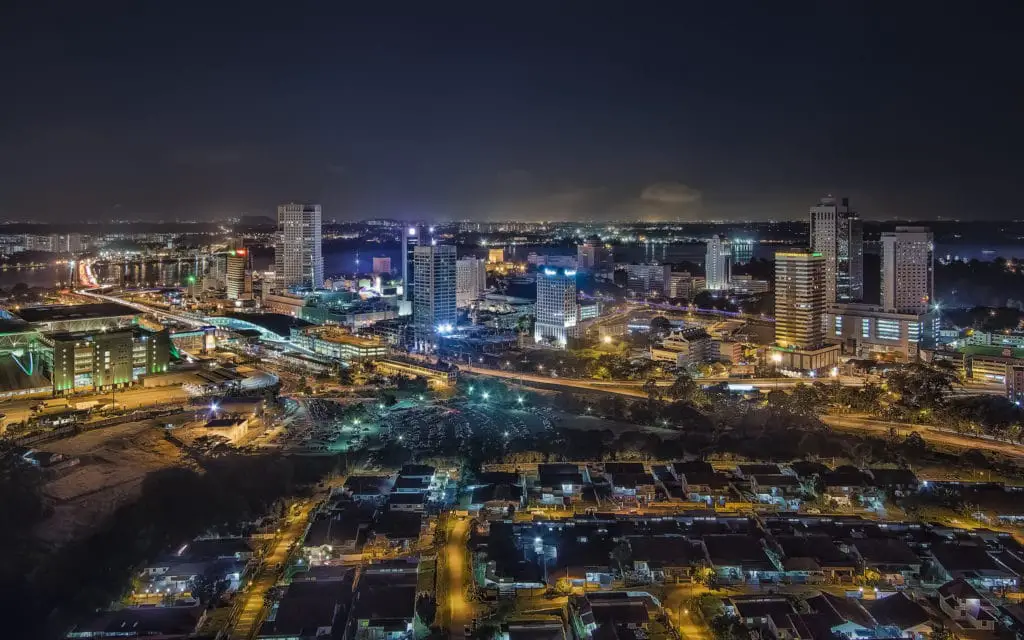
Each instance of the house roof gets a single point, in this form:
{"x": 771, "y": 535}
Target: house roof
{"x": 759, "y": 469}
{"x": 632, "y": 480}
{"x": 668, "y": 550}
{"x": 143, "y": 621}
{"x": 844, "y": 477}
{"x": 368, "y": 485}
{"x": 838, "y": 611}
{"x": 407, "y": 498}
{"x": 732, "y": 549}
{"x": 885, "y": 551}
{"x": 775, "y": 480}
{"x": 819, "y": 547}
{"x": 410, "y": 482}
{"x": 623, "y": 467}
{"x": 399, "y": 525}
{"x": 898, "y": 611}
{"x": 306, "y": 606}
{"x": 759, "y": 606}
{"x": 692, "y": 466}
{"x": 417, "y": 470}
{"x": 958, "y": 588}
{"x": 968, "y": 560}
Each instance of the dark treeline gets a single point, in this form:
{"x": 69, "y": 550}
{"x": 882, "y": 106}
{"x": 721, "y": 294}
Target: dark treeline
{"x": 45, "y": 591}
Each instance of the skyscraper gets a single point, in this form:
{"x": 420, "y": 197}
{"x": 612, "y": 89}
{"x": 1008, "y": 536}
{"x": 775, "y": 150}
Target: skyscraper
{"x": 647, "y": 280}
{"x": 238, "y": 278}
{"x": 837, "y": 234}
{"x": 557, "y": 310}
{"x": 381, "y": 265}
{"x": 908, "y": 271}
{"x": 412, "y": 237}
{"x": 433, "y": 310}
{"x": 297, "y": 253}
{"x": 800, "y": 311}
{"x": 470, "y": 280}
{"x": 716, "y": 264}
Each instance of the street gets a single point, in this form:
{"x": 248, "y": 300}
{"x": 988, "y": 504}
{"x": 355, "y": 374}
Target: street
{"x": 21, "y": 409}
{"x": 253, "y": 604}
{"x": 930, "y": 434}
{"x": 457, "y": 568}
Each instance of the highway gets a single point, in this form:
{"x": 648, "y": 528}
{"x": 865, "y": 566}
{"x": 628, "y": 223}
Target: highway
{"x": 931, "y": 434}
{"x": 183, "y": 317}
{"x": 21, "y": 409}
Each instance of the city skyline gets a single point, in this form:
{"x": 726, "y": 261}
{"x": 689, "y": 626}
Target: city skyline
{"x": 688, "y": 113}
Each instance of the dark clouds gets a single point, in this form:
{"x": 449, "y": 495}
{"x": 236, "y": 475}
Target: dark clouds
{"x": 525, "y": 111}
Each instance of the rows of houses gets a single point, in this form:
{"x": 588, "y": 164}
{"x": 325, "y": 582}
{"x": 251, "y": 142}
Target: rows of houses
{"x": 783, "y": 486}
{"x": 603, "y": 551}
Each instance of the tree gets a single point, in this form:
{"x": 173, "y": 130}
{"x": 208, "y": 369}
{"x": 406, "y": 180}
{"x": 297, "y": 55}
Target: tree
{"x": 622, "y": 554}
{"x": 683, "y": 388}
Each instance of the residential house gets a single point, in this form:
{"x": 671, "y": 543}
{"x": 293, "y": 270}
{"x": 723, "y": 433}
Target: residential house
{"x": 783, "y": 490}
{"x": 846, "y": 485}
{"x": 401, "y": 501}
{"x": 893, "y": 559}
{"x": 959, "y": 600}
{"x": 814, "y": 558}
{"x": 368, "y": 488}
{"x": 971, "y": 561}
{"x": 899, "y": 616}
{"x": 900, "y": 482}
{"x": 737, "y": 557}
{"x": 384, "y": 603}
{"x": 398, "y": 529}
{"x": 309, "y": 610}
{"x": 664, "y": 558}
{"x": 559, "y": 483}
{"x": 162, "y": 623}
{"x": 630, "y": 480}
{"x": 711, "y": 488}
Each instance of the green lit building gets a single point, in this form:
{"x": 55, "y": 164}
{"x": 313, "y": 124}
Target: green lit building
{"x": 106, "y": 359}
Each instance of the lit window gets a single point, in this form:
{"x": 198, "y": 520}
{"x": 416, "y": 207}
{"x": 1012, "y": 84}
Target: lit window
{"x": 865, "y": 327}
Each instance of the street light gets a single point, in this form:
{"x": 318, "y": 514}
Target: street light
{"x": 521, "y": 400}
{"x": 486, "y": 395}
{"x": 607, "y": 339}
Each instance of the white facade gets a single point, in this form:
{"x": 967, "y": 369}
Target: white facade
{"x": 470, "y": 280}
{"x": 433, "y": 307}
{"x": 837, "y": 234}
{"x": 716, "y": 264}
{"x": 297, "y": 253}
{"x": 557, "y": 311}
{"x": 907, "y": 270}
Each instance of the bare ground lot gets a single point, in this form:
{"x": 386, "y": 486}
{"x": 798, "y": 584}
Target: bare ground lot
{"x": 114, "y": 462}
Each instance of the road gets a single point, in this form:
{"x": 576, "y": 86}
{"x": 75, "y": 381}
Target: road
{"x": 20, "y": 410}
{"x": 930, "y": 434}
{"x": 456, "y": 574}
{"x": 251, "y": 613}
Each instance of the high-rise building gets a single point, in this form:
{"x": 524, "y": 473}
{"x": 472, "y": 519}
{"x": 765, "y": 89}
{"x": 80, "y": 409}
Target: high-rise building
{"x": 593, "y": 256}
{"x": 106, "y": 359}
{"x": 381, "y": 265}
{"x": 433, "y": 309}
{"x": 741, "y": 250}
{"x": 716, "y": 264}
{"x": 470, "y": 280}
{"x": 646, "y": 280}
{"x": 557, "y": 311}
{"x": 800, "y": 311}
{"x": 837, "y": 234}
{"x": 412, "y": 237}
{"x": 297, "y": 252}
{"x": 238, "y": 275}
{"x": 908, "y": 270}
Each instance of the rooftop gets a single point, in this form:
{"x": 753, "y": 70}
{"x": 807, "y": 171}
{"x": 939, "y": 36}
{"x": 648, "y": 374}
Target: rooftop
{"x": 58, "y": 313}
{"x": 306, "y": 607}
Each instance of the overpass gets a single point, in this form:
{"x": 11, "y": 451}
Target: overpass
{"x": 184, "y": 317}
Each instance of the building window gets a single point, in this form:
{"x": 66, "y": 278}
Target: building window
{"x": 888, "y": 329}
{"x": 839, "y": 325}
{"x": 865, "y": 327}
{"x": 913, "y": 331}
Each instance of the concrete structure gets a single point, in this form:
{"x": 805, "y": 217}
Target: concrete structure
{"x": 682, "y": 284}
{"x": 496, "y": 256}
{"x": 297, "y": 252}
{"x": 106, "y": 359}
{"x": 337, "y": 344}
{"x": 717, "y": 265}
{"x": 800, "y": 312}
{"x": 748, "y": 285}
{"x": 238, "y": 275}
{"x": 646, "y": 280}
{"x": 865, "y": 330}
{"x": 470, "y": 280}
{"x": 381, "y": 265}
{"x": 685, "y": 348}
{"x": 412, "y": 237}
{"x": 837, "y": 233}
{"x": 557, "y": 311}
{"x": 1015, "y": 384}
{"x": 908, "y": 271}
{"x": 79, "y": 317}
{"x": 593, "y": 256}
{"x": 433, "y": 308}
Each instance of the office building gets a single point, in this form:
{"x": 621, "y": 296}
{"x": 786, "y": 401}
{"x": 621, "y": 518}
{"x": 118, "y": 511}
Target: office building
{"x": 496, "y": 256}
{"x": 717, "y": 264}
{"x": 1015, "y": 384}
{"x": 800, "y": 312}
{"x": 297, "y": 253}
{"x": 470, "y": 280}
{"x": 749, "y": 285}
{"x": 683, "y": 284}
{"x": 557, "y": 312}
{"x": 837, "y": 234}
{"x": 907, "y": 270}
{"x": 684, "y": 348}
{"x": 648, "y": 280}
{"x": 433, "y": 308}
{"x": 741, "y": 250}
{"x": 381, "y": 266}
{"x": 867, "y": 331}
{"x": 412, "y": 237}
{"x": 238, "y": 275}
{"x": 104, "y": 360}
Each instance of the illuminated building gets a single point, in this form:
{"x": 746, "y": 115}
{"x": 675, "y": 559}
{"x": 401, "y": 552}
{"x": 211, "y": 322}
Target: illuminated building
{"x": 107, "y": 359}
{"x": 1015, "y": 384}
{"x": 837, "y": 234}
{"x": 382, "y": 265}
{"x": 866, "y": 330}
{"x": 433, "y": 306}
{"x": 741, "y": 250}
{"x": 412, "y": 237}
{"x": 496, "y": 255}
{"x": 907, "y": 270}
{"x": 647, "y": 280}
{"x": 557, "y": 311}
{"x": 238, "y": 276}
{"x": 470, "y": 280}
{"x": 716, "y": 264}
{"x": 800, "y": 312}
{"x": 297, "y": 252}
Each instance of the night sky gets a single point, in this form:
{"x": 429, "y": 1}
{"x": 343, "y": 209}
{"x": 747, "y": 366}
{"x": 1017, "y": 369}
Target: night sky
{"x": 546, "y": 110}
